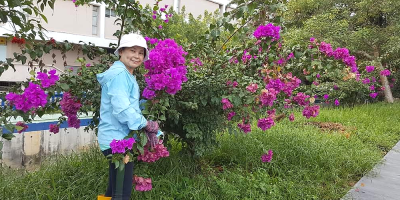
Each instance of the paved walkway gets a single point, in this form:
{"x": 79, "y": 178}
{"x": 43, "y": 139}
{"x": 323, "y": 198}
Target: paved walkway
{"x": 383, "y": 182}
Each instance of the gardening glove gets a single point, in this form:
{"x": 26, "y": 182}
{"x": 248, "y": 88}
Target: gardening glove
{"x": 151, "y": 127}
{"x": 152, "y": 138}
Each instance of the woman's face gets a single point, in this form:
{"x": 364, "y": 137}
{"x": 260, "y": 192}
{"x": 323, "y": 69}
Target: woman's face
{"x": 132, "y": 57}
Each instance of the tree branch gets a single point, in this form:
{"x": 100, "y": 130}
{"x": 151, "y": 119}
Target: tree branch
{"x": 365, "y": 54}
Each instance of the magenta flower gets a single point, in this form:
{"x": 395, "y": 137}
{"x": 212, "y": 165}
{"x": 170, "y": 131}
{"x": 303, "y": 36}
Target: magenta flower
{"x": 159, "y": 151}
{"x": 166, "y": 67}
{"x": 311, "y": 111}
{"x": 154, "y": 17}
{"x": 318, "y": 76}
{"x": 32, "y": 97}
{"x": 326, "y": 48}
{"x": 326, "y": 96}
{"x": 54, "y": 128}
{"x": 235, "y": 84}
{"x": 291, "y": 117}
{"x": 276, "y": 84}
{"x": 88, "y": 65}
{"x": 121, "y": 146}
{"x": 246, "y": 128}
{"x": 267, "y": 31}
{"x": 265, "y": 123}
{"x": 252, "y": 88}
{"x": 290, "y": 56}
{"x": 160, "y": 27}
{"x": 300, "y": 98}
{"x": 312, "y": 40}
{"x": 385, "y": 72}
{"x": 47, "y": 81}
{"x": 341, "y": 53}
{"x": 70, "y": 106}
{"x": 226, "y": 104}
{"x": 142, "y": 184}
{"x": 148, "y": 94}
{"x": 366, "y": 81}
{"x": 372, "y": 87}
{"x": 268, "y": 97}
{"x": 337, "y": 102}
{"x": 231, "y": 115}
{"x": 373, "y": 95}
{"x": 369, "y": 68}
{"x": 335, "y": 87}
{"x": 267, "y": 157}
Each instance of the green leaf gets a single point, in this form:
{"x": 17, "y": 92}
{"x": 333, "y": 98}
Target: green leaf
{"x": 116, "y": 164}
{"x": 121, "y": 165}
{"x": 8, "y": 136}
{"x": 19, "y": 128}
{"x": 143, "y": 139}
{"x": 10, "y": 127}
{"x": 64, "y": 86}
{"x": 162, "y": 118}
{"x": 28, "y": 10}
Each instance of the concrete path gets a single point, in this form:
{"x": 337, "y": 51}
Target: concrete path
{"x": 382, "y": 183}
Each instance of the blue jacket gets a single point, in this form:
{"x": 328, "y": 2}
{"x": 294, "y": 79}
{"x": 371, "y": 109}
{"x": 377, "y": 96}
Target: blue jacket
{"x": 119, "y": 109}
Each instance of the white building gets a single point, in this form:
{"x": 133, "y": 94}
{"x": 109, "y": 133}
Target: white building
{"x": 90, "y": 23}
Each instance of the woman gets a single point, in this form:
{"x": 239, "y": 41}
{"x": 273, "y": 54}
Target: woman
{"x": 119, "y": 109}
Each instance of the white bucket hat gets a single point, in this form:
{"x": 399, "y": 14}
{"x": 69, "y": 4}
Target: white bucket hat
{"x": 131, "y": 40}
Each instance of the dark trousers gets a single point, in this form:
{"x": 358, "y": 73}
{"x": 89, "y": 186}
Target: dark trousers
{"x": 112, "y": 177}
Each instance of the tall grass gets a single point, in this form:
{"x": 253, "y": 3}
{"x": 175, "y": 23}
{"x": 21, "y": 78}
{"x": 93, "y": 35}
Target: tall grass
{"x": 307, "y": 163}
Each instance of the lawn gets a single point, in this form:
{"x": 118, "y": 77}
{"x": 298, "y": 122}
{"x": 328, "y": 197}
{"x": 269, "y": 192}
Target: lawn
{"x": 319, "y": 158}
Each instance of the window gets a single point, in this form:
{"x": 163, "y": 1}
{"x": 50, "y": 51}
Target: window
{"x": 110, "y": 12}
{"x": 95, "y": 17}
{"x": 6, "y": 86}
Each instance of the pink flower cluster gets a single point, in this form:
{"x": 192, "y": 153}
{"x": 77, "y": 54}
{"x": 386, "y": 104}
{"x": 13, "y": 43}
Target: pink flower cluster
{"x": 47, "y": 81}
{"x": 226, "y": 104}
{"x": 246, "y": 128}
{"x": 196, "y": 62}
{"x": 268, "y": 30}
{"x": 162, "y": 10}
{"x": 231, "y": 115}
{"x": 265, "y": 123}
{"x": 369, "y": 69}
{"x": 121, "y": 146}
{"x": 300, "y": 98}
{"x": 54, "y": 128}
{"x": 32, "y": 97}
{"x": 385, "y": 72}
{"x": 252, "y": 88}
{"x": 23, "y": 125}
{"x": 268, "y": 96}
{"x": 166, "y": 69}
{"x": 232, "y": 83}
{"x": 339, "y": 54}
{"x": 311, "y": 111}
{"x": 159, "y": 151}
{"x": 142, "y": 184}
{"x": 70, "y": 106}
{"x": 267, "y": 157}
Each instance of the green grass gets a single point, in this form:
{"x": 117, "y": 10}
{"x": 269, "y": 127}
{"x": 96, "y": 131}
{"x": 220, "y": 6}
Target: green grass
{"x": 307, "y": 163}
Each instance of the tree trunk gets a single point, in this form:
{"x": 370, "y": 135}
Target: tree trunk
{"x": 384, "y": 80}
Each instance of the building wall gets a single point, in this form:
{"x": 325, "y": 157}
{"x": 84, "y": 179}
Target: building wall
{"x": 66, "y": 18}
{"x": 198, "y": 7}
{"x": 22, "y": 71}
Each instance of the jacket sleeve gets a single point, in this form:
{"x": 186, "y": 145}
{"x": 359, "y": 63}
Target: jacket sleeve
{"x": 118, "y": 91}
